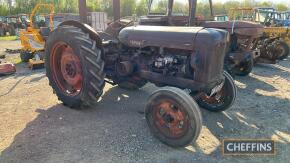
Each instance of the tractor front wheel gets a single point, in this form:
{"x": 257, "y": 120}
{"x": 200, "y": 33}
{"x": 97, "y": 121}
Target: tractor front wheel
{"x": 282, "y": 50}
{"x": 245, "y": 68}
{"x": 74, "y": 66}
{"x": 223, "y": 99}
{"x": 173, "y": 117}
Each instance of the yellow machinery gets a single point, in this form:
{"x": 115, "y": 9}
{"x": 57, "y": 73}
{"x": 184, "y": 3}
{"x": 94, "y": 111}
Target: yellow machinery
{"x": 33, "y": 38}
{"x": 275, "y": 37}
{"x": 282, "y": 32}
{"x": 263, "y": 16}
{"x": 268, "y": 16}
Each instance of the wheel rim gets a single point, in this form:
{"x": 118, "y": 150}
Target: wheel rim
{"x": 216, "y": 99}
{"x": 170, "y": 118}
{"x": 280, "y": 50}
{"x": 66, "y": 69}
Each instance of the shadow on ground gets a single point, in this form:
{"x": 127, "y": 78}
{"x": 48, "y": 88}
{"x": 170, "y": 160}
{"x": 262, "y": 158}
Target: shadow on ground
{"x": 116, "y": 130}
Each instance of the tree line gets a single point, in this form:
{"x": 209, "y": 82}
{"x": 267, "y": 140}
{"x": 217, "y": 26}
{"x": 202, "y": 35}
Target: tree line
{"x": 129, "y": 7}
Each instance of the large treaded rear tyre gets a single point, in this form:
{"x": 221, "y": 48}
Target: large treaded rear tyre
{"x": 74, "y": 66}
{"x": 173, "y": 117}
{"x": 222, "y": 100}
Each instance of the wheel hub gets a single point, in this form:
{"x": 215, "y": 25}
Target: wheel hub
{"x": 71, "y": 68}
{"x": 215, "y": 98}
{"x": 66, "y": 69}
{"x": 170, "y": 119}
{"x": 280, "y": 50}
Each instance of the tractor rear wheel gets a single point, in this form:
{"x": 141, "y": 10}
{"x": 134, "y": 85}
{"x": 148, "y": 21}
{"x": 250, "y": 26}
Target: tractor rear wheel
{"x": 283, "y": 49}
{"x": 223, "y": 99}
{"x": 74, "y": 66}
{"x": 173, "y": 117}
{"x": 245, "y": 68}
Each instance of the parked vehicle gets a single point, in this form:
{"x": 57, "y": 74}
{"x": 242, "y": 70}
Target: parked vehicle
{"x": 273, "y": 43}
{"x": 80, "y": 60}
{"x": 240, "y": 57}
{"x": 34, "y": 37}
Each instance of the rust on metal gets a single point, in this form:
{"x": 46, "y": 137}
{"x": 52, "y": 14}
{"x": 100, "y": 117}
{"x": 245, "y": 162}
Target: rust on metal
{"x": 67, "y": 69}
{"x": 170, "y": 118}
{"x": 241, "y": 28}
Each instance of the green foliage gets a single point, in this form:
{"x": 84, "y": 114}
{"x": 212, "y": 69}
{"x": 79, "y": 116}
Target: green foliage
{"x": 141, "y": 8}
{"x": 282, "y": 7}
{"x": 8, "y": 38}
{"x": 4, "y": 10}
{"x": 130, "y": 7}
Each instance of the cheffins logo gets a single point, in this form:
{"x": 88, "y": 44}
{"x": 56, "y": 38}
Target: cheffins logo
{"x": 248, "y": 147}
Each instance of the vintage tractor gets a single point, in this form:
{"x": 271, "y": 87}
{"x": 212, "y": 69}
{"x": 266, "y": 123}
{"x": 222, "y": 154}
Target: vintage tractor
{"x": 285, "y": 19}
{"x": 25, "y": 20}
{"x": 273, "y": 43}
{"x": 15, "y": 24}
{"x": 5, "y": 27}
{"x": 240, "y": 57}
{"x": 79, "y": 61}
{"x": 33, "y": 38}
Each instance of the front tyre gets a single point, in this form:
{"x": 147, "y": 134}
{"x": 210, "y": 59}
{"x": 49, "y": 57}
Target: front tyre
{"x": 173, "y": 117}
{"x": 74, "y": 66}
{"x": 282, "y": 49}
{"x": 245, "y": 68}
{"x": 222, "y": 100}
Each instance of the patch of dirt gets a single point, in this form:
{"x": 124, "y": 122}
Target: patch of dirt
{"x": 36, "y": 127}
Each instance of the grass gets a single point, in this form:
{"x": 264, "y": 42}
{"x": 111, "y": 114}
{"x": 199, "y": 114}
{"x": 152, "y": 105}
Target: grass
{"x": 15, "y": 60}
{"x": 8, "y": 38}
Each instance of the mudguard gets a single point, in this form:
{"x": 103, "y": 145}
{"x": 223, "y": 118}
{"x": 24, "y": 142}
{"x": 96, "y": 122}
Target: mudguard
{"x": 86, "y": 28}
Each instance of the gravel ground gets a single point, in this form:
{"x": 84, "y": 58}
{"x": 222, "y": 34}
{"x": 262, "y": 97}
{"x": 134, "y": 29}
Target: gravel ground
{"x": 36, "y": 127}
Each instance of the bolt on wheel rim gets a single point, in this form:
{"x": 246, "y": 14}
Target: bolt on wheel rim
{"x": 66, "y": 69}
{"x": 216, "y": 99}
{"x": 171, "y": 119}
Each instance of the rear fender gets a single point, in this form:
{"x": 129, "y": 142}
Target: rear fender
{"x": 87, "y": 29}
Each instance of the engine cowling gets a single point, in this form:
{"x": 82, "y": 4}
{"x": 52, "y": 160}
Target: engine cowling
{"x": 208, "y": 46}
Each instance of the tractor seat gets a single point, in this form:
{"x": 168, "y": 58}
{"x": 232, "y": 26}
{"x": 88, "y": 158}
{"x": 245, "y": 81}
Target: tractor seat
{"x": 44, "y": 32}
